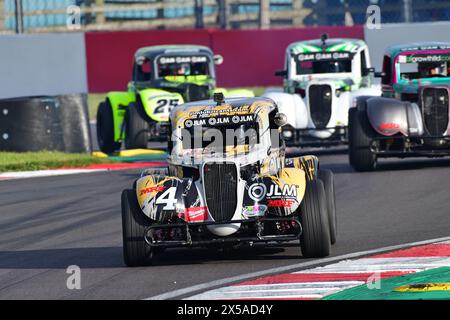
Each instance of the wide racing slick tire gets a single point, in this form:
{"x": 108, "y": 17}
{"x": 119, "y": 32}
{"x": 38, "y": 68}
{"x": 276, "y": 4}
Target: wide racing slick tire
{"x": 327, "y": 178}
{"x": 105, "y": 129}
{"x": 136, "y": 251}
{"x": 315, "y": 238}
{"x": 360, "y": 135}
{"x": 136, "y": 128}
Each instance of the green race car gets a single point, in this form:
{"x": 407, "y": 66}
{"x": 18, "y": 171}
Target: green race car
{"x": 163, "y": 78}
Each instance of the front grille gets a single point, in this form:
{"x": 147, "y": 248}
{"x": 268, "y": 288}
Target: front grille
{"x": 320, "y": 97}
{"x": 220, "y": 183}
{"x": 435, "y": 110}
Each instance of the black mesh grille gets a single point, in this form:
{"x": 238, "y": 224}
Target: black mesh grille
{"x": 435, "y": 110}
{"x": 320, "y": 97}
{"x": 220, "y": 182}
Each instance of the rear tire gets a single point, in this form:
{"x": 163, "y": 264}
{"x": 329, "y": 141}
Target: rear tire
{"x": 105, "y": 129}
{"x": 327, "y": 178}
{"x": 315, "y": 237}
{"x": 136, "y": 128}
{"x": 136, "y": 251}
{"x": 360, "y": 135}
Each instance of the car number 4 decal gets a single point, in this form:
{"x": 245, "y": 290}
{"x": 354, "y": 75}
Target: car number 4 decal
{"x": 168, "y": 199}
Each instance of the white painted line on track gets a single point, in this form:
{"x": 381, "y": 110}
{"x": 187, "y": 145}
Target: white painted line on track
{"x": 44, "y": 173}
{"x": 230, "y": 280}
{"x": 293, "y": 290}
{"x": 402, "y": 264}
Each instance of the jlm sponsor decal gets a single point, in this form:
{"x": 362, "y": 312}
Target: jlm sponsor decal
{"x": 258, "y": 191}
{"x": 286, "y": 191}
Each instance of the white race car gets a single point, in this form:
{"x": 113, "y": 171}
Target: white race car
{"x": 321, "y": 78}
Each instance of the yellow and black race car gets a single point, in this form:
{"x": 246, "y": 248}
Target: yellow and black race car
{"x": 227, "y": 183}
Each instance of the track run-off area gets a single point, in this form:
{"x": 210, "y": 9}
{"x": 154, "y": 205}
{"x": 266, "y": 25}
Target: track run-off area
{"x": 50, "y": 223}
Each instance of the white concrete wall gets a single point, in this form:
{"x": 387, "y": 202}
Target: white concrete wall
{"x": 389, "y": 34}
{"x": 42, "y": 64}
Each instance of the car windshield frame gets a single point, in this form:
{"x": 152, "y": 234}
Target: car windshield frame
{"x": 422, "y": 62}
{"x": 242, "y": 143}
{"x": 320, "y": 59}
{"x": 177, "y": 60}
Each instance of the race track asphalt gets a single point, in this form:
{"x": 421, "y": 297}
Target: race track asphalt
{"x": 48, "y": 224}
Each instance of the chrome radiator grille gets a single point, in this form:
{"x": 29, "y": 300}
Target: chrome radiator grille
{"x": 220, "y": 183}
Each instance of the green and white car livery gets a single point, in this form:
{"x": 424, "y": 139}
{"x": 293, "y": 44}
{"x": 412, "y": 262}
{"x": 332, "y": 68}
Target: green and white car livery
{"x": 321, "y": 78}
{"x": 163, "y": 78}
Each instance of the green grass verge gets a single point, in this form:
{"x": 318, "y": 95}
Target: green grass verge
{"x": 94, "y": 99}
{"x": 28, "y": 161}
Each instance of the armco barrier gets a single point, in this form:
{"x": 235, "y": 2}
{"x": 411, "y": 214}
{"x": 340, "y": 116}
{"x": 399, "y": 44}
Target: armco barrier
{"x": 56, "y": 123}
{"x": 250, "y": 56}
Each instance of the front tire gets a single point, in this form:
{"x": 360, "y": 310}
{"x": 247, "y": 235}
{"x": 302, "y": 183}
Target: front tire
{"x": 136, "y": 128}
{"x": 136, "y": 251}
{"x": 315, "y": 238}
{"x": 360, "y": 133}
{"x": 327, "y": 178}
{"x": 105, "y": 128}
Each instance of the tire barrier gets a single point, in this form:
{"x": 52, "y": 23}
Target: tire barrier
{"x": 53, "y": 123}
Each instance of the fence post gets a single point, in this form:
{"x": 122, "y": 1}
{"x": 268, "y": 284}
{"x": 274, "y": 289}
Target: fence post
{"x": 407, "y": 11}
{"x": 264, "y": 14}
{"x": 19, "y": 16}
{"x": 100, "y": 16}
{"x": 224, "y": 12}
{"x": 2, "y": 15}
{"x": 297, "y": 6}
{"x": 199, "y": 24}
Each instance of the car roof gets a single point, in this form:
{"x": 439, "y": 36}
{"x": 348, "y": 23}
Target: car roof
{"x": 211, "y": 105}
{"x": 331, "y": 45}
{"x": 396, "y": 49}
{"x": 152, "y": 51}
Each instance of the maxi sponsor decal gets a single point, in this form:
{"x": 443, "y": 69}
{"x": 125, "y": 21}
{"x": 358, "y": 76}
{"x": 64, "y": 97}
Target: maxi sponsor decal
{"x": 152, "y": 189}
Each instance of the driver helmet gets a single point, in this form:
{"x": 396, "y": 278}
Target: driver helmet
{"x": 437, "y": 70}
{"x": 183, "y": 70}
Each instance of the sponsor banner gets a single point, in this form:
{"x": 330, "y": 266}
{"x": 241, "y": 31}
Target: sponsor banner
{"x": 324, "y": 56}
{"x": 257, "y": 210}
{"x": 196, "y": 214}
{"x": 218, "y": 121}
{"x": 260, "y": 191}
{"x": 182, "y": 59}
{"x": 418, "y": 58}
{"x": 152, "y": 189}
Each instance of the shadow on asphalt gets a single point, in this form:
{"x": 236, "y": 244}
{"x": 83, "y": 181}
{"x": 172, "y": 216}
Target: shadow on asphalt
{"x": 111, "y": 257}
{"x": 392, "y": 165}
{"x": 297, "y": 152}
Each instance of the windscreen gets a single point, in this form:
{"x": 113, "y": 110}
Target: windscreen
{"x": 183, "y": 66}
{"x": 236, "y": 138}
{"x": 418, "y": 66}
{"x": 317, "y": 63}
